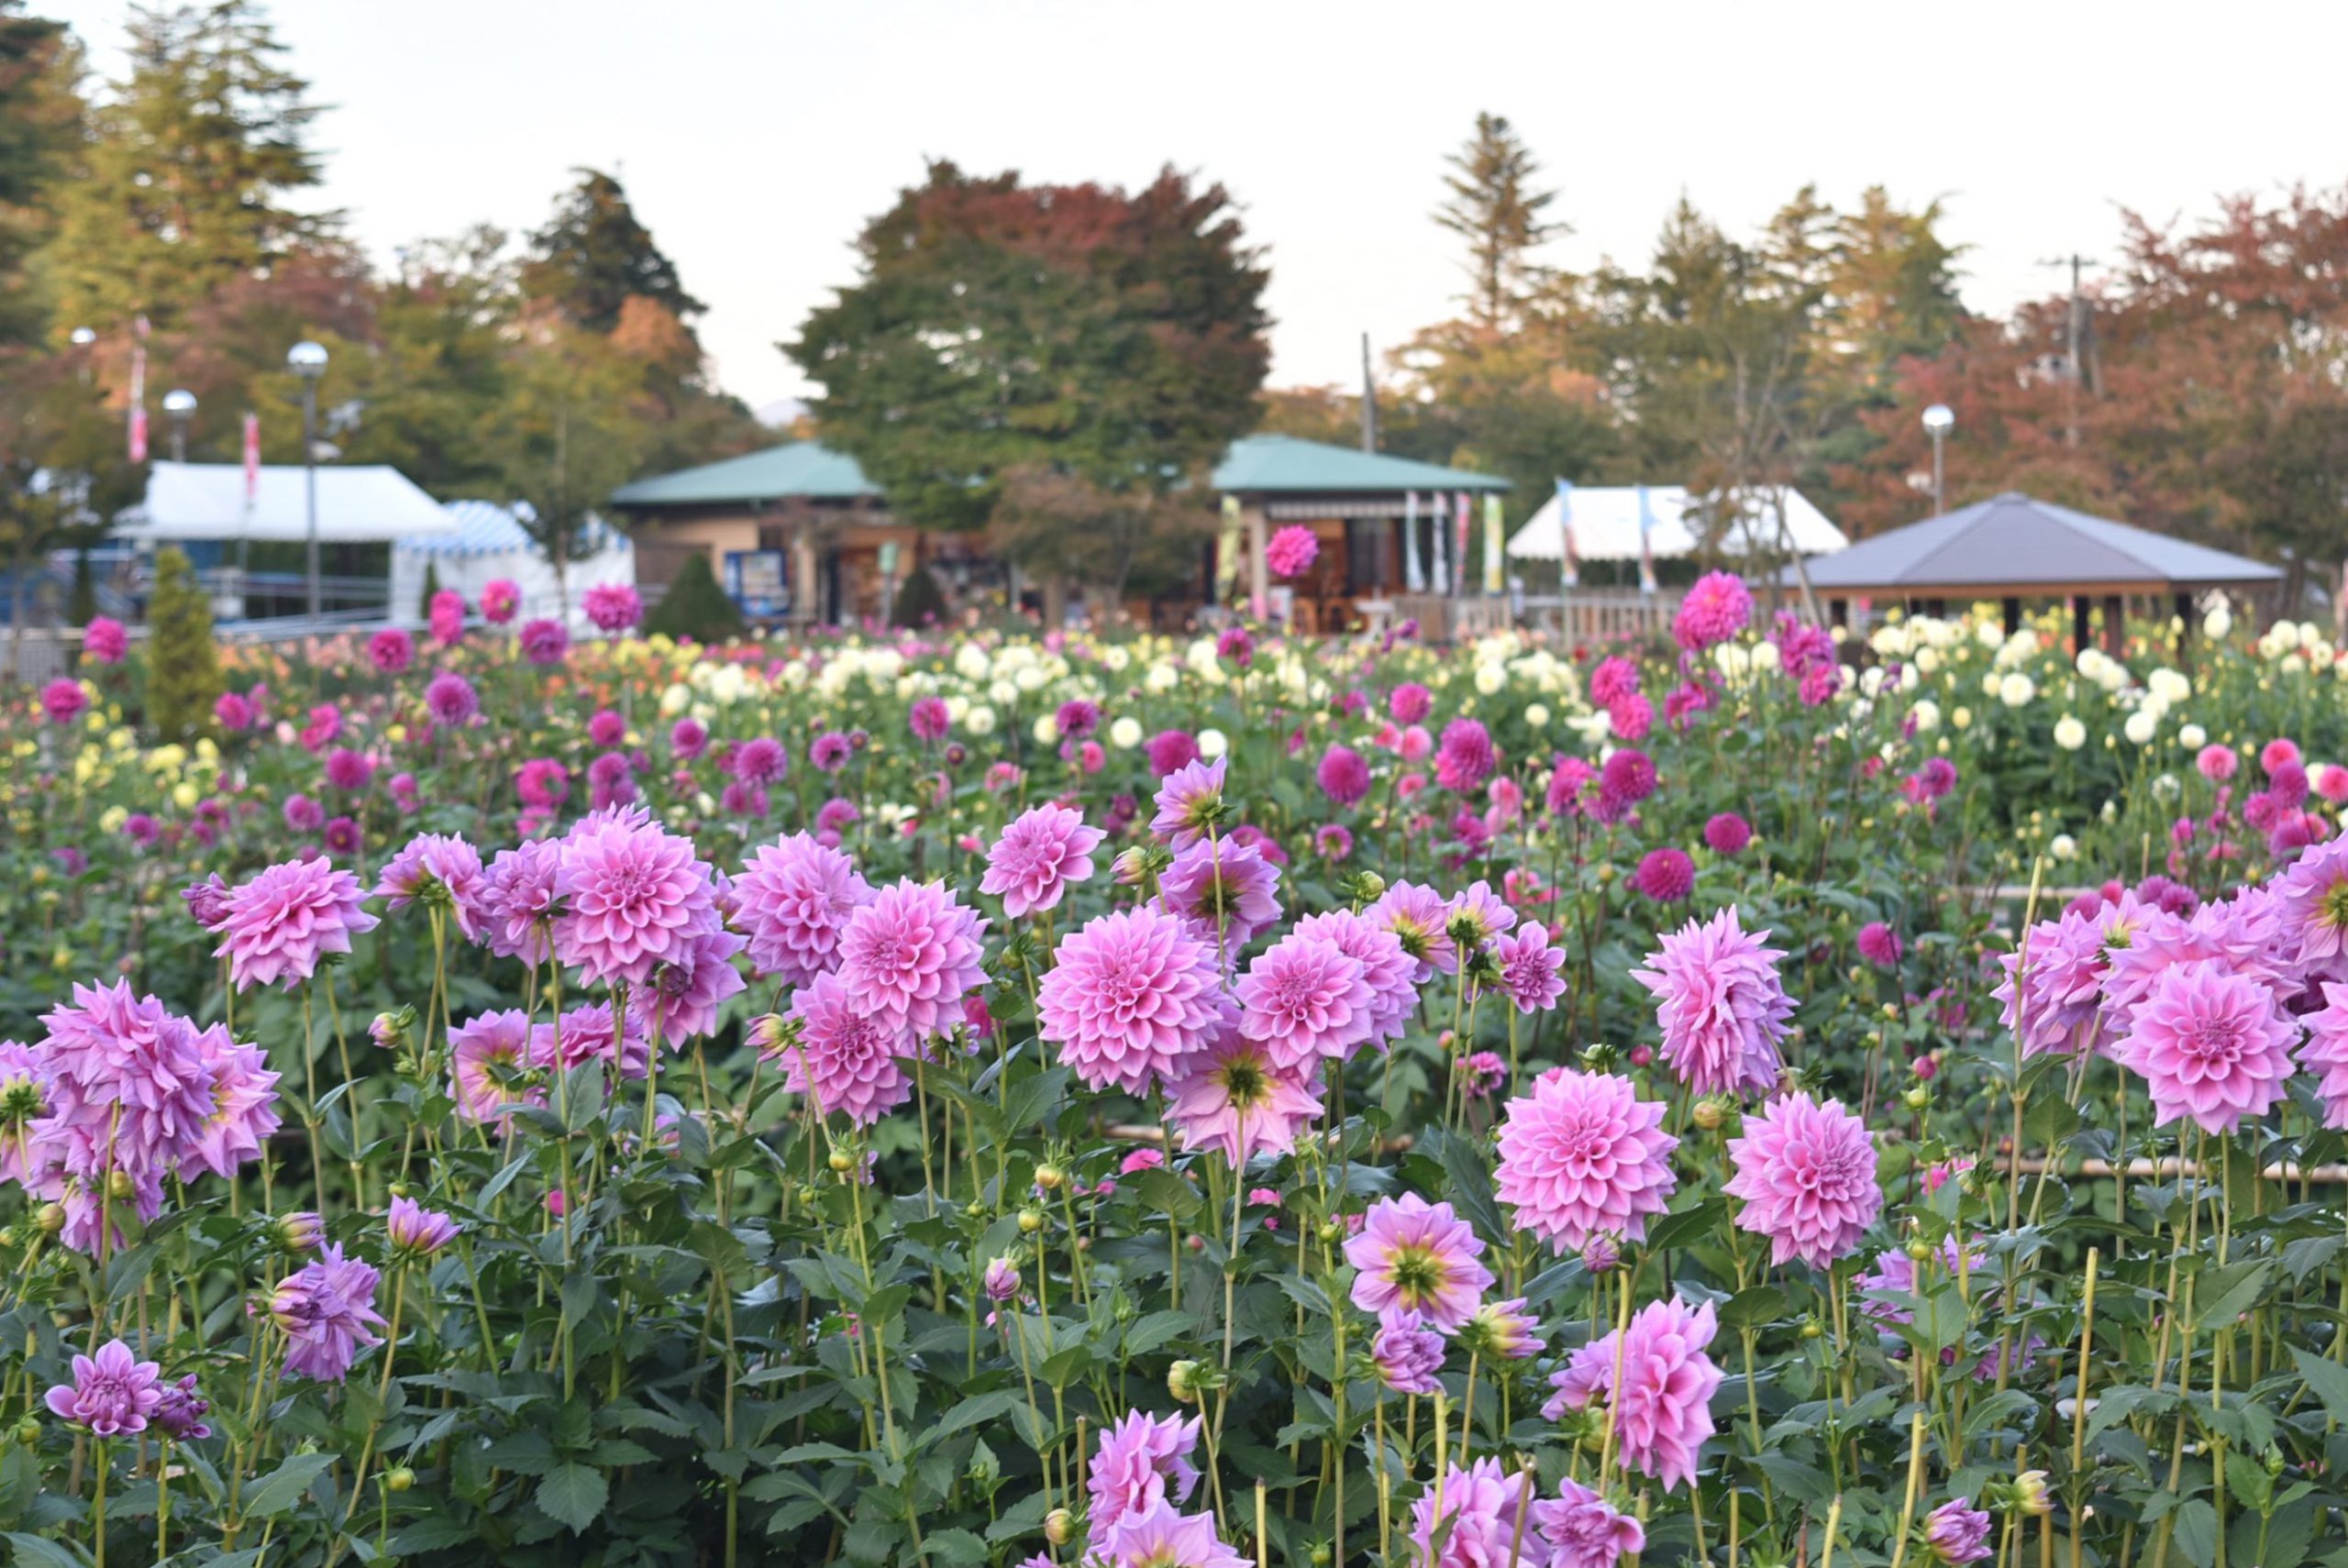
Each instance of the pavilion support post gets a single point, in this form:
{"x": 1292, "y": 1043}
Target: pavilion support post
{"x": 2013, "y": 616}
{"x": 2115, "y": 623}
{"x": 1260, "y": 588}
{"x": 1936, "y": 608}
{"x": 2079, "y": 624}
{"x": 1838, "y": 612}
{"x": 2184, "y": 609}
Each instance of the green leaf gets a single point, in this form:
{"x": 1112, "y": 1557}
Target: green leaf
{"x": 978, "y": 1408}
{"x": 1471, "y": 1188}
{"x": 954, "y": 1546}
{"x": 574, "y": 1494}
{"x": 2328, "y": 1379}
{"x": 1688, "y": 1225}
{"x": 283, "y": 1486}
{"x": 1165, "y": 1191}
{"x": 32, "y": 1551}
{"x": 1151, "y": 1329}
{"x": 2234, "y": 1290}
{"x": 1753, "y": 1305}
{"x": 2196, "y": 1532}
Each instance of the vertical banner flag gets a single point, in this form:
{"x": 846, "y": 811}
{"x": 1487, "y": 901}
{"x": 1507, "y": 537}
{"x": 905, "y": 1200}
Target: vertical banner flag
{"x": 1439, "y": 569}
{"x": 1414, "y": 576}
{"x": 1459, "y": 539}
{"x": 1495, "y": 579}
{"x": 138, "y": 390}
{"x": 1228, "y": 549}
{"x": 252, "y": 458}
{"x": 1647, "y": 545}
{"x": 1568, "y": 558}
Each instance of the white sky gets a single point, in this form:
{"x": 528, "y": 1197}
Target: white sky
{"x": 755, "y": 136}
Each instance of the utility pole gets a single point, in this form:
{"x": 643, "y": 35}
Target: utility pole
{"x": 1369, "y": 401}
{"x": 2074, "y": 336}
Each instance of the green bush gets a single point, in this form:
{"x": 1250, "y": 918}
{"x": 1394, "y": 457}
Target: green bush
{"x": 920, "y": 601}
{"x": 695, "y": 606}
{"x": 183, "y": 666}
{"x": 431, "y": 587}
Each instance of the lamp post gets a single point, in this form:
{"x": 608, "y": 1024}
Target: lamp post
{"x": 308, "y": 361}
{"x": 1937, "y": 420}
{"x": 82, "y": 337}
{"x": 180, "y": 404}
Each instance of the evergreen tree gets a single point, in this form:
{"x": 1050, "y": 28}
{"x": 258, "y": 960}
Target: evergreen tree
{"x": 1496, "y": 208}
{"x": 431, "y": 587}
{"x": 40, "y": 114}
{"x": 695, "y": 606}
{"x": 183, "y": 666}
{"x": 178, "y": 187}
{"x": 594, "y": 256}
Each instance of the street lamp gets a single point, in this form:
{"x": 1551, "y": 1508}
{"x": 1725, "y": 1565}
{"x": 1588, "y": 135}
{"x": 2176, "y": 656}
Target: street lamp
{"x": 180, "y": 404}
{"x": 82, "y": 337}
{"x": 308, "y": 361}
{"x": 1937, "y": 420}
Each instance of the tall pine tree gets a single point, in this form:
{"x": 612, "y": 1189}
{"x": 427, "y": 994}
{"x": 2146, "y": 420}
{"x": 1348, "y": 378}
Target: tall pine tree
{"x": 1496, "y": 208}
{"x": 594, "y": 256}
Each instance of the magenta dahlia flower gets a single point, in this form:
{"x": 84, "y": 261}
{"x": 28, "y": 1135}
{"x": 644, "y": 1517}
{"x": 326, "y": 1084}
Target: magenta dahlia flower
{"x": 328, "y": 1310}
{"x": 1040, "y": 854}
{"x": 64, "y": 699}
{"x": 1532, "y": 972}
{"x": 1579, "y": 1528}
{"x": 111, "y": 1394}
{"x": 1717, "y": 608}
{"x": 450, "y": 699}
{"x": 1880, "y": 945}
{"x": 1583, "y": 1155}
{"x": 1408, "y": 1355}
{"x": 1391, "y": 972}
{"x": 130, "y": 1085}
{"x": 1304, "y": 999}
{"x": 1344, "y": 775}
{"x": 635, "y": 896}
{"x": 1226, "y": 891}
{"x": 447, "y": 615}
{"x": 1474, "y": 1511}
{"x": 913, "y": 951}
{"x": 1805, "y": 1172}
{"x": 2313, "y": 894}
{"x": 1170, "y": 751}
{"x": 544, "y": 641}
{"x": 244, "y": 1106}
{"x": 1291, "y": 551}
{"x": 1728, "y": 833}
{"x": 1420, "y": 919}
{"x": 1667, "y": 876}
{"x": 179, "y": 1416}
{"x": 1157, "y": 1537}
{"x": 280, "y": 925}
{"x": 795, "y": 898}
{"x": 1189, "y": 799}
{"x": 1626, "y": 779}
{"x": 1131, "y": 998}
{"x": 1614, "y": 678}
{"x": 1142, "y": 1462}
{"x": 613, "y": 607}
{"x": 1719, "y": 1003}
{"x": 689, "y": 987}
{"x": 2053, "y": 988}
{"x": 500, "y": 600}
{"x": 104, "y": 641}
{"x": 1231, "y": 1096}
{"x": 1416, "y": 1256}
{"x": 1957, "y": 1532}
{"x": 2210, "y": 1044}
{"x": 1465, "y": 757}
{"x": 391, "y": 649}
{"x": 1663, "y": 1404}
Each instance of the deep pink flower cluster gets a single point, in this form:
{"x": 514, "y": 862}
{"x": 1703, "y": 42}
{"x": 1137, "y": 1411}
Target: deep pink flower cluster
{"x": 613, "y": 607}
{"x": 1291, "y": 551}
{"x": 1716, "y": 608}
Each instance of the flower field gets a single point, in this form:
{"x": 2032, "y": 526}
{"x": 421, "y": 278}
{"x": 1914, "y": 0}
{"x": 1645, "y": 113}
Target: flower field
{"x": 1777, "y": 1098}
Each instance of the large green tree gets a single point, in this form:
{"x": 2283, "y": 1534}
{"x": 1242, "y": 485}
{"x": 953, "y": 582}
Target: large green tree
{"x": 41, "y": 119}
{"x": 1112, "y": 336}
{"x": 1498, "y": 209}
{"x": 180, "y": 186}
{"x": 594, "y": 256}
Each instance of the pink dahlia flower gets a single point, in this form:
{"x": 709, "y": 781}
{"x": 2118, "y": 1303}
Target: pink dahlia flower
{"x": 130, "y": 1086}
{"x": 795, "y": 898}
{"x": 1408, "y": 1355}
{"x": 1233, "y": 1098}
{"x": 328, "y": 1310}
{"x": 637, "y": 895}
{"x": 447, "y": 617}
{"x": 1420, "y": 919}
{"x": 1226, "y": 892}
{"x": 2245, "y": 935}
{"x": 613, "y": 607}
{"x": 415, "y": 1232}
{"x": 1344, "y": 776}
{"x": 2325, "y": 1053}
{"x": 1614, "y": 678}
{"x": 64, "y": 699}
{"x": 1170, "y": 751}
{"x": 689, "y": 987}
{"x": 1957, "y": 1532}
{"x": 913, "y": 952}
{"x": 2313, "y": 895}
{"x": 1582, "y": 1530}
{"x": 1532, "y": 972}
{"x": 2053, "y": 988}
{"x": 1474, "y": 1511}
{"x": 104, "y": 641}
{"x": 1391, "y": 973}
{"x": 111, "y": 1394}
{"x": 1416, "y": 1256}
{"x": 1189, "y": 799}
{"x": 1663, "y": 1409}
{"x": 1304, "y": 998}
{"x": 585, "y": 1034}
{"x": 1728, "y": 833}
{"x": 494, "y": 1066}
{"x": 1717, "y": 608}
{"x": 544, "y": 641}
{"x": 1291, "y": 551}
{"x": 500, "y": 600}
{"x": 521, "y": 896}
{"x": 1040, "y": 854}
{"x": 1805, "y": 1172}
{"x": 1720, "y": 1005}
{"x": 1583, "y": 1155}
{"x": 846, "y": 1053}
{"x": 1880, "y": 945}
{"x": 244, "y": 1106}
{"x": 391, "y": 649}
{"x": 1157, "y": 1537}
{"x": 1131, "y": 999}
{"x": 1465, "y": 756}
{"x": 282, "y": 924}
{"x": 1667, "y": 876}
{"x": 2210, "y": 1044}
{"x": 436, "y": 868}
{"x": 1143, "y": 1463}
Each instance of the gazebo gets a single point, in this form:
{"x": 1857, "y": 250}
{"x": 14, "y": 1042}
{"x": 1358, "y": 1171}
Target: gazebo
{"x": 2013, "y": 547}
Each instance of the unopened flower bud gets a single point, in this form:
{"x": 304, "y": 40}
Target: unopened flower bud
{"x": 1059, "y": 1526}
{"x": 1812, "y": 1329}
{"x": 300, "y": 1231}
{"x": 1916, "y": 1098}
{"x": 1002, "y": 1280}
{"x": 2030, "y": 1494}
{"x": 120, "y": 1187}
{"x": 1711, "y": 1112}
{"x": 1031, "y": 1220}
{"x": 27, "y": 1432}
{"x": 842, "y": 1161}
{"x": 401, "y": 1479}
{"x": 1050, "y": 1177}
{"x": 1182, "y": 1381}
{"x": 51, "y": 1218}
{"x": 1368, "y": 885}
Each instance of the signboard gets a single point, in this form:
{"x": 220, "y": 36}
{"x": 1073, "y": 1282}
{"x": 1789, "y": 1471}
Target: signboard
{"x": 757, "y": 582}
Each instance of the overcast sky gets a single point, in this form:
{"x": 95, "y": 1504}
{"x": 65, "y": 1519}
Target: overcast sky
{"x": 755, "y": 136}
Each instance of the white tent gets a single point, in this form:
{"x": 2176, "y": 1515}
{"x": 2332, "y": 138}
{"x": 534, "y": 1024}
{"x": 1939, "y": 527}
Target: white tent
{"x": 485, "y": 542}
{"x": 208, "y": 501}
{"x": 1605, "y": 520}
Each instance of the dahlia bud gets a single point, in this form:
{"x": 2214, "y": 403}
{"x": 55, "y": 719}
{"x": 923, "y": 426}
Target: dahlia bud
{"x": 301, "y": 1232}
{"x": 1642, "y": 1056}
{"x": 841, "y": 1161}
{"x": 1812, "y": 1329}
{"x": 1331, "y": 1233}
{"x": 1002, "y": 1280}
{"x": 1600, "y": 1255}
{"x": 390, "y": 1030}
{"x": 119, "y": 1185}
{"x": 2030, "y": 1494}
{"x": 975, "y": 1210}
{"x": 401, "y": 1479}
{"x": 1711, "y": 1112}
{"x": 1031, "y": 1220}
{"x": 1920, "y": 1251}
{"x": 1059, "y": 1526}
{"x": 1131, "y": 867}
{"x": 1368, "y": 885}
{"x": 1050, "y": 1177}
{"x": 51, "y": 1218}
{"x": 1183, "y": 1381}
{"x": 1321, "y": 1555}
{"x": 27, "y": 1432}
{"x": 1916, "y": 1098}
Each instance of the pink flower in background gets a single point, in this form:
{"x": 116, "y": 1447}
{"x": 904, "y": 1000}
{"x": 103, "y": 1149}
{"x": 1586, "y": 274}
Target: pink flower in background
{"x": 450, "y": 699}
{"x": 1805, "y": 1172}
{"x": 544, "y": 641}
{"x": 1614, "y": 678}
{"x": 1077, "y": 719}
{"x": 912, "y": 950}
{"x": 1157, "y": 1537}
{"x": 1957, "y": 1532}
{"x": 794, "y": 898}
{"x": 328, "y": 1311}
{"x": 1408, "y": 1355}
{"x": 1719, "y": 1004}
{"x": 1662, "y": 1402}
{"x": 1410, "y": 703}
{"x": 1475, "y": 1511}
{"x": 1880, "y": 945}
{"x": 688, "y": 738}
{"x": 447, "y": 617}
{"x": 349, "y": 770}
{"x": 325, "y": 725}
{"x": 435, "y": 867}
{"x": 391, "y": 649}
{"x": 613, "y": 607}
{"x": 280, "y": 925}
{"x": 1581, "y": 1529}
{"x": 1304, "y": 999}
{"x": 1717, "y": 608}
{"x": 1728, "y": 833}
{"x": 2217, "y": 763}
{"x": 63, "y": 701}
{"x": 112, "y": 1395}
{"x": 1420, "y": 919}
{"x": 2278, "y": 753}
{"x": 1131, "y": 998}
{"x": 1227, "y": 892}
{"x": 637, "y": 896}
{"x": 2325, "y": 1053}
{"x": 1042, "y": 851}
{"x": 489, "y": 1059}
{"x": 1189, "y": 801}
{"x": 304, "y": 814}
{"x": 606, "y": 728}
{"x": 542, "y": 783}
{"x": 2210, "y": 1044}
{"x": 1532, "y": 972}
{"x": 761, "y": 760}
{"x": 232, "y": 713}
{"x": 1667, "y": 876}
{"x": 1583, "y": 1155}
{"x": 1143, "y": 1460}
{"x": 1465, "y": 758}
{"x": 500, "y": 601}
{"x": 847, "y": 1056}
{"x": 929, "y": 719}
{"x": 1170, "y": 751}
{"x": 1630, "y": 717}
{"x": 104, "y": 641}
{"x": 1291, "y": 551}
{"x": 415, "y": 1232}
{"x": 1416, "y": 1256}
{"x": 1344, "y": 776}
{"x": 1627, "y": 778}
